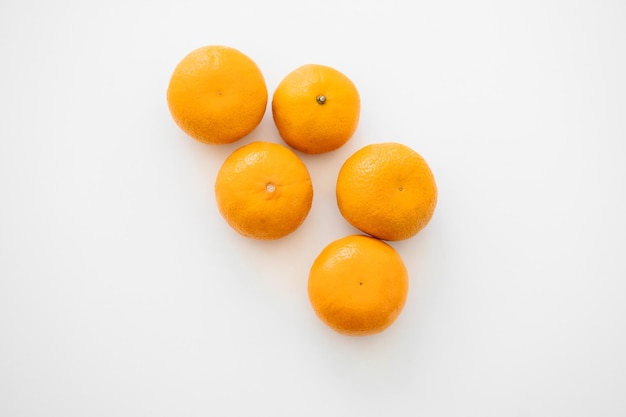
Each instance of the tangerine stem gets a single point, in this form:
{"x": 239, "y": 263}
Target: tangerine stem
{"x": 320, "y": 99}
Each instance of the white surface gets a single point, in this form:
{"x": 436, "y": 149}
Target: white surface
{"x": 123, "y": 292}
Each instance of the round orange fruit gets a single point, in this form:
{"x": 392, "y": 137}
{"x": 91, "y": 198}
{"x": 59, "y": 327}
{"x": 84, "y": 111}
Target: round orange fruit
{"x": 263, "y": 190}
{"x": 387, "y": 190}
{"x": 358, "y": 285}
{"x": 316, "y": 109}
{"x": 217, "y": 94}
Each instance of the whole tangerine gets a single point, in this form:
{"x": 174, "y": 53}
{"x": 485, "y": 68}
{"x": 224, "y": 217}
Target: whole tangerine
{"x": 316, "y": 109}
{"x": 217, "y": 94}
{"x": 387, "y": 190}
{"x": 263, "y": 190}
{"x": 358, "y": 285}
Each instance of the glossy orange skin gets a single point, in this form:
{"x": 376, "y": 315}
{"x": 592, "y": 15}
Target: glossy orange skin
{"x": 387, "y": 190}
{"x": 358, "y": 285}
{"x": 264, "y": 191}
{"x": 217, "y": 94}
{"x": 308, "y": 123}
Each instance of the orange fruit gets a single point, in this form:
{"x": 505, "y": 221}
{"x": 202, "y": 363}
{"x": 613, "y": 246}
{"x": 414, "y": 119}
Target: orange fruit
{"x": 263, "y": 190}
{"x": 316, "y": 109}
{"x": 358, "y": 285}
{"x": 386, "y": 190}
{"x": 217, "y": 94}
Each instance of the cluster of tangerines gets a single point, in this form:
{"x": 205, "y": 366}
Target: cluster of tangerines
{"x": 358, "y": 284}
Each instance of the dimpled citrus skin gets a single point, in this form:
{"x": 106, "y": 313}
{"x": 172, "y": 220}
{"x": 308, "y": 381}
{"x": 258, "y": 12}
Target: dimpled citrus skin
{"x": 309, "y": 123}
{"x": 217, "y": 94}
{"x": 263, "y": 190}
{"x": 387, "y": 190}
{"x": 358, "y": 285}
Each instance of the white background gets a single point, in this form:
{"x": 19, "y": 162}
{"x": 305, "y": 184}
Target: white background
{"x": 124, "y": 293}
